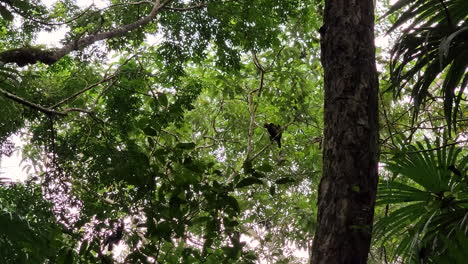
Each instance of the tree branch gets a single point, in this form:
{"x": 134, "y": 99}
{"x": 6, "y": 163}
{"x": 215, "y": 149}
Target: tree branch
{"x": 26, "y": 16}
{"x": 25, "y": 102}
{"x": 105, "y": 79}
{"x": 31, "y": 55}
{"x": 253, "y": 106}
{"x": 188, "y": 8}
{"x": 194, "y": 7}
{"x": 43, "y": 109}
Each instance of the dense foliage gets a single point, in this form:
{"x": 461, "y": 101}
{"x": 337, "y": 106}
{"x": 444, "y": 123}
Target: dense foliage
{"x": 146, "y": 143}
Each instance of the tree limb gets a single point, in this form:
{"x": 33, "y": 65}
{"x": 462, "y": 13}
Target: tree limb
{"x": 188, "y": 8}
{"x": 194, "y": 7}
{"x": 253, "y": 106}
{"x": 89, "y": 87}
{"x": 41, "y": 108}
{"x": 31, "y": 55}
{"x": 26, "y": 16}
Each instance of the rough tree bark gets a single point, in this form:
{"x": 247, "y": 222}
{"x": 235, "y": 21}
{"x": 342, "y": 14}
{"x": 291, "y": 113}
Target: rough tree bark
{"x": 348, "y": 186}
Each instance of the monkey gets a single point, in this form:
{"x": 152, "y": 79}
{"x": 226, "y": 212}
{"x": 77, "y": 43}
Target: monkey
{"x": 275, "y": 132}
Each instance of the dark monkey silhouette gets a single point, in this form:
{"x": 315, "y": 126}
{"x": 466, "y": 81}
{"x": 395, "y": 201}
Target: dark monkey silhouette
{"x": 275, "y": 132}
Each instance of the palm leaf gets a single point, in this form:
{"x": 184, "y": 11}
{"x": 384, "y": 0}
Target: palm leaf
{"x": 429, "y": 200}
{"x": 433, "y": 45}
{"x": 396, "y": 192}
{"x": 455, "y": 250}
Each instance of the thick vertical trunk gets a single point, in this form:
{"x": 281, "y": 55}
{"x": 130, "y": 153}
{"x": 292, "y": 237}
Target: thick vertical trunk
{"x": 348, "y": 186}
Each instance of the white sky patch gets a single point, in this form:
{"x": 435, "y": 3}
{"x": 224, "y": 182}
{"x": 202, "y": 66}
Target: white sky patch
{"x": 10, "y": 167}
{"x": 253, "y": 240}
{"x": 52, "y": 39}
{"x": 383, "y": 41}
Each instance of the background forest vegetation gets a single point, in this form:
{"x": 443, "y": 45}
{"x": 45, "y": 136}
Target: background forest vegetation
{"x": 144, "y": 137}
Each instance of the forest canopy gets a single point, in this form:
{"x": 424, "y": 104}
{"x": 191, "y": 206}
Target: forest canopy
{"x": 189, "y": 131}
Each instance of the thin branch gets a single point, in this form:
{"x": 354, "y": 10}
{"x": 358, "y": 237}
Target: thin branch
{"x": 104, "y": 91}
{"x": 275, "y": 59}
{"x": 83, "y": 91}
{"x": 194, "y": 7}
{"x": 25, "y": 102}
{"x": 205, "y": 146}
{"x": 188, "y": 8}
{"x": 172, "y": 134}
{"x": 25, "y": 16}
{"x": 386, "y": 119}
{"x": 213, "y": 120}
{"x": 257, "y": 63}
{"x": 439, "y": 147}
{"x": 105, "y": 79}
{"x": 77, "y": 16}
{"x": 254, "y": 106}
{"x": 43, "y": 109}
{"x": 131, "y": 3}
{"x": 252, "y": 112}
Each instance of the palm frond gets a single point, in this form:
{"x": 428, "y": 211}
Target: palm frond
{"x": 428, "y": 199}
{"x": 432, "y": 46}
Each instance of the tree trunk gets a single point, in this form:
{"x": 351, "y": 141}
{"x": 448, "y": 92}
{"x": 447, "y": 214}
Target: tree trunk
{"x": 349, "y": 183}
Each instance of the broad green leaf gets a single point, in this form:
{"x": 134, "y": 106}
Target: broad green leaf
{"x": 248, "y": 181}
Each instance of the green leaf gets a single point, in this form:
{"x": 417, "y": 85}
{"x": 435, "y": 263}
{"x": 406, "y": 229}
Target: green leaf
{"x": 231, "y": 252}
{"x": 161, "y": 154}
{"x": 6, "y": 14}
{"x": 163, "y": 230}
{"x": 65, "y": 256}
{"x": 150, "y": 141}
{"x": 232, "y": 203}
{"x": 149, "y": 131}
{"x": 162, "y": 99}
{"x": 258, "y": 174}
{"x": 248, "y": 167}
{"x": 284, "y": 180}
{"x": 272, "y": 190}
{"x": 201, "y": 220}
{"x": 186, "y": 146}
{"x": 248, "y": 181}
{"x": 265, "y": 167}
{"x": 446, "y": 42}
